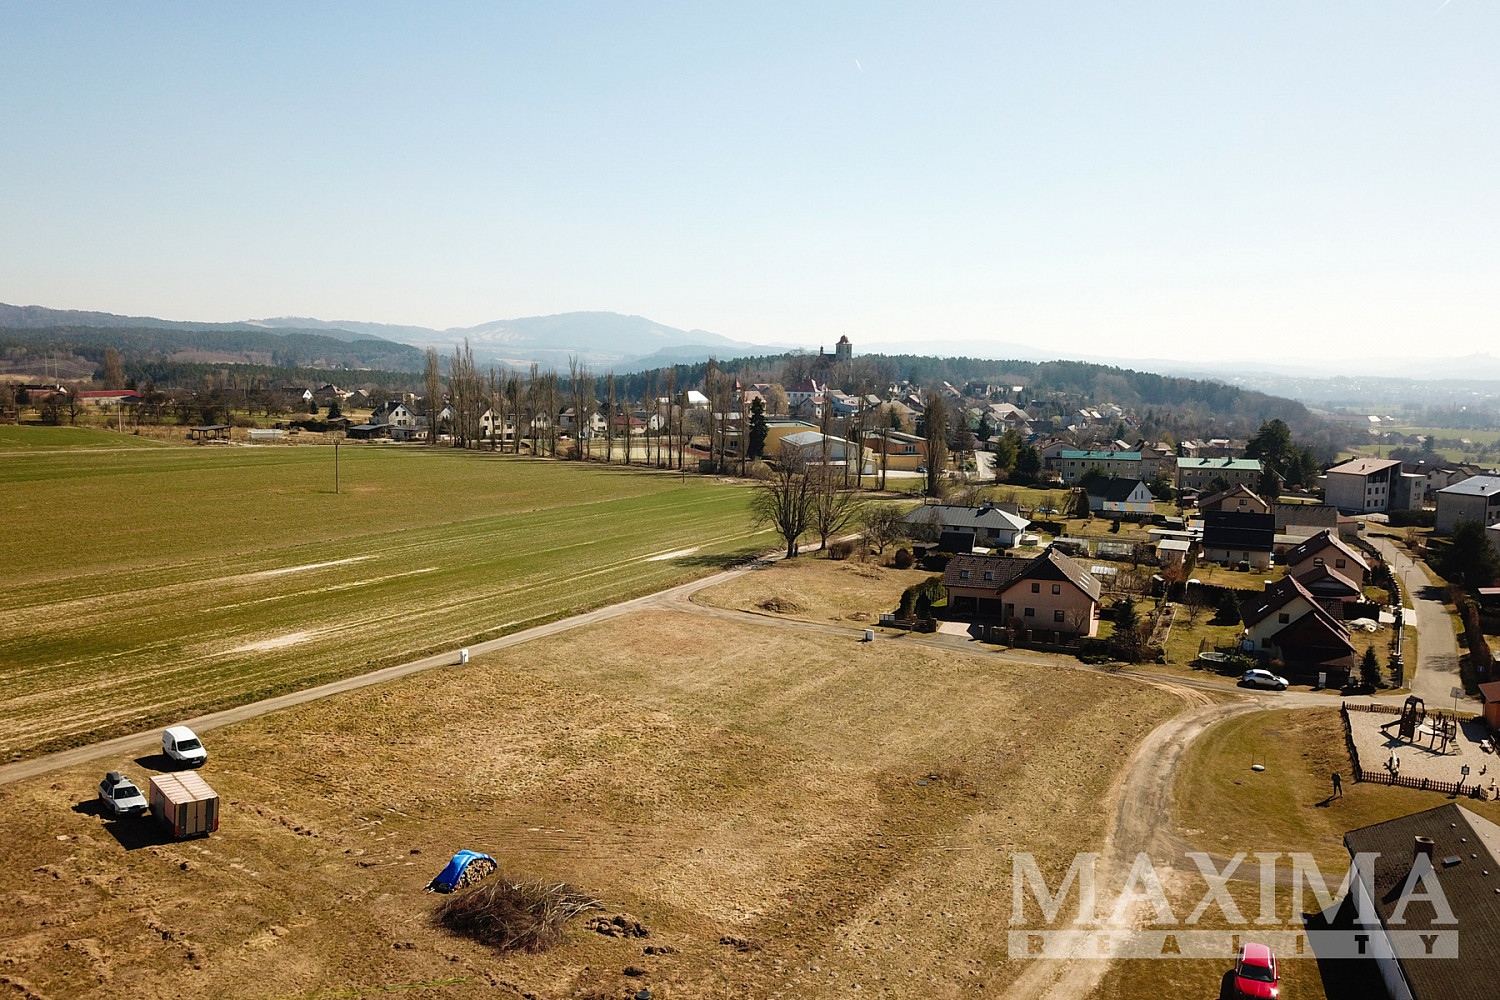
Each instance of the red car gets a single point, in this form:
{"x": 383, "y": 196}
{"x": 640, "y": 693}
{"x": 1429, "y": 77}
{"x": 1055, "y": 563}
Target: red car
{"x": 1255, "y": 973}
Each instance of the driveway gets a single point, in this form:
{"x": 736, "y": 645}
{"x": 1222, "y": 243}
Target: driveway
{"x": 1437, "y": 647}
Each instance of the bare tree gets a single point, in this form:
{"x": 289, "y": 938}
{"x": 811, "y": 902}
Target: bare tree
{"x": 432, "y": 379}
{"x": 935, "y": 425}
{"x": 834, "y": 507}
{"x": 880, "y": 524}
{"x": 784, "y": 501}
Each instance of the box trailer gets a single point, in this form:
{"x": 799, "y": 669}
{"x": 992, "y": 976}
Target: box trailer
{"x": 184, "y": 804}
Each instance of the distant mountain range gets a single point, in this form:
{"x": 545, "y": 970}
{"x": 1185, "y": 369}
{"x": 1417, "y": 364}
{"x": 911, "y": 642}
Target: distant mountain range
{"x": 602, "y": 340}
{"x": 599, "y": 339}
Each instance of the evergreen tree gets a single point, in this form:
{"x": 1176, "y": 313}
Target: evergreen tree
{"x": 757, "y": 445}
{"x": 1369, "y": 670}
{"x": 1470, "y": 560}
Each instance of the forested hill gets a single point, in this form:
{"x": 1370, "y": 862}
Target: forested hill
{"x": 1196, "y": 406}
{"x": 219, "y": 345}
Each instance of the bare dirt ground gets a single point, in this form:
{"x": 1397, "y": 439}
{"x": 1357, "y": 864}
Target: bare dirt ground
{"x": 810, "y": 588}
{"x": 792, "y": 814}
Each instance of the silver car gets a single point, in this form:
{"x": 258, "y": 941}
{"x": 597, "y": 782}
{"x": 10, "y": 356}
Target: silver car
{"x": 1257, "y": 677}
{"x": 119, "y": 796}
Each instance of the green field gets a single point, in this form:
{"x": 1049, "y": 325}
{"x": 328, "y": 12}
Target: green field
{"x": 151, "y": 584}
{"x": 15, "y": 436}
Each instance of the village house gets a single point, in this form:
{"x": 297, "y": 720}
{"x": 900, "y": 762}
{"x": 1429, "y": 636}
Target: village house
{"x": 1239, "y": 537}
{"x": 1326, "y": 549}
{"x": 1121, "y": 498}
{"x": 1049, "y": 593}
{"x": 497, "y": 426}
{"x": 989, "y": 526}
{"x": 1306, "y": 519}
{"x": 1474, "y": 499}
{"x": 1286, "y": 622}
{"x": 1239, "y": 497}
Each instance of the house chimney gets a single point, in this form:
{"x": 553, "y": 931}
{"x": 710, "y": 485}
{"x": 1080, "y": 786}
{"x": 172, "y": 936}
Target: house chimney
{"x": 1423, "y": 845}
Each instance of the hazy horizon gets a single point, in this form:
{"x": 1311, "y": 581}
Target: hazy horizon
{"x": 1169, "y": 182}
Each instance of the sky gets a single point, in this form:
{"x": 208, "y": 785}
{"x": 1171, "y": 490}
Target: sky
{"x": 1200, "y": 181}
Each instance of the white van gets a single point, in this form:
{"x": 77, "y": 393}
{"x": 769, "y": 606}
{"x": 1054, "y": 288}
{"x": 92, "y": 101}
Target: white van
{"x": 182, "y": 745}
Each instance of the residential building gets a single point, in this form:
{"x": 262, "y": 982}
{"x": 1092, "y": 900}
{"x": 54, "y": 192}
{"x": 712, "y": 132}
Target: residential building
{"x": 1326, "y": 549}
{"x": 1122, "y": 498}
{"x": 1287, "y": 622}
{"x": 1446, "y": 855}
{"x": 799, "y": 392}
{"x": 1198, "y": 474}
{"x": 1234, "y": 537}
{"x": 1157, "y": 460}
{"x": 394, "y": 415}
{"x": 497, "y": 426}
{"x": 1305, "y": 519}
{"x": 1173, "y": 551}
{"x": 991, "y": 526}
{"x": 1239, "y": 497}
{"x": 1372, "y": 485}
{"x": 1474, "y": 499}
{"x": 1049, "y": 592}
{"x": 1073, "y": 463}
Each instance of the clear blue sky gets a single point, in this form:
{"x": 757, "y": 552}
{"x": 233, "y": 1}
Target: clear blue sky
{"x": 1194, "y": 180}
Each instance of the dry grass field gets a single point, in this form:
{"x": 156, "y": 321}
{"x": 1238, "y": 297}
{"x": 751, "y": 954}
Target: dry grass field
{"x": 813, "y": 588}
{"x": 791, "y": 814}
{"x": 148, "y": 585}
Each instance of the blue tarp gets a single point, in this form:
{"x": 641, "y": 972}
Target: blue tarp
{"x": 447, "y": 879}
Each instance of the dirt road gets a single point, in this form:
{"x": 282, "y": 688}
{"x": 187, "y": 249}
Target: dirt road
{"x": 207, "y": 723}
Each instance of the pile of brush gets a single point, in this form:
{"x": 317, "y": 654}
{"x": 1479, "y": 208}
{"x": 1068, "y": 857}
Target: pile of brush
{"x": 514, "y": 916}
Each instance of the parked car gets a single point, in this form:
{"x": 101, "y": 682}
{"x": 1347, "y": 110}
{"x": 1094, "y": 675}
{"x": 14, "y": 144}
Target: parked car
{"x": 181, "y": 745}
{"x": 1256, "y": 677}
{"x": 118, "y": 795}
{"x": 1255, "y": 973}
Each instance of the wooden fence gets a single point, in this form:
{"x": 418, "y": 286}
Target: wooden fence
{"x": 1384, "y": 777}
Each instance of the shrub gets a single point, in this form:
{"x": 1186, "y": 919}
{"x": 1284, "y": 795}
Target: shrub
{"x": 1411, "y": 518}
{"x": 514, "y": 916}
{"x": 903, "y": 559}
{"x": 841, "y": 549}
{"x": 936, "y": 562}
{"x": 1229, "y": 608}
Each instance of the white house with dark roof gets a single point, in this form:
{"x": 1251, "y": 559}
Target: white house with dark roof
{"x": 992, "y": 527}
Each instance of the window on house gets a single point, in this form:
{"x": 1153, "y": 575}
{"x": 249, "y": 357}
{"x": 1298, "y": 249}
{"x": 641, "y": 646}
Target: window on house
{"x": 1057, "y": 588}
{"x": 1284, "y": 618}
{"x": 1031, "y": 612}
{"x": 963, "y": 574}
{"x": 1340, "y": 563}
{"x": 989, "y": 574}
{"x": 1036, "y": 588}
{"x": 1317, "y": 560}
{"x": 1057, "y": 615}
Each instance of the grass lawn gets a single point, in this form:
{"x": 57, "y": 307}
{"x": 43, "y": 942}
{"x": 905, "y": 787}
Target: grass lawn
{"x": 152, "y": 584}
{"x": 1222, "y": 576}
{"x": 844, "y": 809}
{"x": 1222, "y": 806}
{"x": 18, "y": 437}
{"x": 818, "y": 589}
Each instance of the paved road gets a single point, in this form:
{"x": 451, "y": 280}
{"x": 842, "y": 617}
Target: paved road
{"x": 1437, "y": 647}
